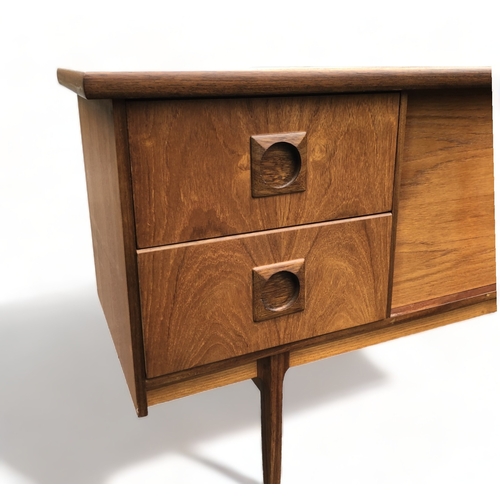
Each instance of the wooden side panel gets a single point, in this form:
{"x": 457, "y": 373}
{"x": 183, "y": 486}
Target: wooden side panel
{"x": 191, "y": 163}
{"x": 106, "y": 163}
{"x": 445, "y": 241}
{"x": 197, "y": 299}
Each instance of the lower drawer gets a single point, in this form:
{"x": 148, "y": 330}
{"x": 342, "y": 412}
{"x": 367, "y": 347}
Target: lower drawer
{"x": 216, "y": 299}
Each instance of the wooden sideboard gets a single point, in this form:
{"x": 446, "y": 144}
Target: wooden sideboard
{"x": 248, "y": 222}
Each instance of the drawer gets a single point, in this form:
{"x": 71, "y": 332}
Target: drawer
{"x": 216, "y": 299}
{"x": 209, "y": 168}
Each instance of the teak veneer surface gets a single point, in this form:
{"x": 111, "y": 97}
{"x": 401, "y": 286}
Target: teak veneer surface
{"x": 445, "y": 239}
{"x": 191, "y": 163}
{"x": 213, "y": 267}
{"x": 376, "y": 336}
{"x": 184, "y": 384}
{"x": 156, "y": 85}
{"x": 110, "y": 203}
{"x": 197, "y": 297}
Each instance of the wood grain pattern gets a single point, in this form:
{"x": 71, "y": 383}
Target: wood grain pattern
{"x": 161, "y": 85}
{"x": 445, "y": 236}
{"x": 203, "y": 383}
{"x": 217, "y": 374}
{"x": 270, "y": 373}
{"x": 351, "y": 343}
{"x": 191, "y": 163}
{"x": 347, "y": 271}
{"x": 189, "y": 168}
{"x": 391, "y": 322}
{"x": 484, "y": 291}
{"x": 110, "y": 203}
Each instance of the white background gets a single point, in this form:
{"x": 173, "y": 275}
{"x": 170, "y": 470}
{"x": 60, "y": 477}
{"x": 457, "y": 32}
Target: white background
{"x": 417, "y": 412}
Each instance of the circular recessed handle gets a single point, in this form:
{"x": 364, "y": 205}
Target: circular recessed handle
{"x": 278, "y": 289}
{"x": 278, "y": 163}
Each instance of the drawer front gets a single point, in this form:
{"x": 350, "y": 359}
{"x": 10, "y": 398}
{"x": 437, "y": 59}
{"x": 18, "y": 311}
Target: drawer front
{"x": 213, "y": 300}
{"x": 208, "y": 168}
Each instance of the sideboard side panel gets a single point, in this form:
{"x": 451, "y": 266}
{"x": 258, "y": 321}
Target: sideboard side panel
{"x": 105, "y": 153}
{"x": 445, "y": 241}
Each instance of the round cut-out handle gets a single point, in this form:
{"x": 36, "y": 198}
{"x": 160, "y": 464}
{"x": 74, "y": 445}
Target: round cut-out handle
{"x": 278, "y": 289}
{"x": 279, "y": 163}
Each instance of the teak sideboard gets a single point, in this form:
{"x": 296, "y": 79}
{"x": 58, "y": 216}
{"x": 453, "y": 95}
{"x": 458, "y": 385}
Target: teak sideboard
{"x": 247, "y": 222}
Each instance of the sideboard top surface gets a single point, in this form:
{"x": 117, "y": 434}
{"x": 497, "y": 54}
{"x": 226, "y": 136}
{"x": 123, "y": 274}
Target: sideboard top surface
{"x": 159, "y": 85}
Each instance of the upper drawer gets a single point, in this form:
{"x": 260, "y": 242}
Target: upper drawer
{"x": 197, "y": 173}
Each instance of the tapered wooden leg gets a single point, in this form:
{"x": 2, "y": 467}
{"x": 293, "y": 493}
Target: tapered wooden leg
{"x": 270, "y": 374}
